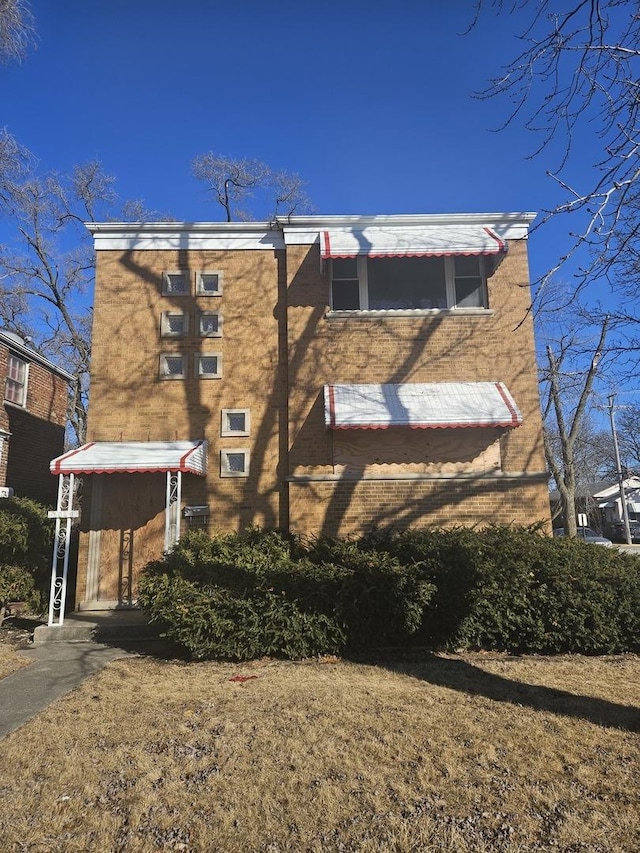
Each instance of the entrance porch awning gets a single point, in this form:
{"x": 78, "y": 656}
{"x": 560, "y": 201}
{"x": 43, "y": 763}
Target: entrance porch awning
{"x": 429, "y": 405}
{"x": 133, "y": 457}
{"x": 411, "y": 241}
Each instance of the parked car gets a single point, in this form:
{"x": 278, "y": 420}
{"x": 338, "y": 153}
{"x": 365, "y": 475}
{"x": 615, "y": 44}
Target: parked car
{"x": 587, "y": 535}
{"x": 617, "y": 533}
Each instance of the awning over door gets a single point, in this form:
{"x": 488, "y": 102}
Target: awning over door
{"x": 410, "y": 241}
{"x": 112, "y": 457}
{"x": 420, "y": 405}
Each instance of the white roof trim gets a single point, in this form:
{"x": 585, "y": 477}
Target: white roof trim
{"x": 294, "y": 230}
{"x": 133, "y": 457}
{"x": 427, "y": 405}
{"x": 224, "y": 236}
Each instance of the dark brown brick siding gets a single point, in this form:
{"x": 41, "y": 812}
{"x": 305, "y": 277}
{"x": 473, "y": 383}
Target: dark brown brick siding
{"x": 37, "y": 432}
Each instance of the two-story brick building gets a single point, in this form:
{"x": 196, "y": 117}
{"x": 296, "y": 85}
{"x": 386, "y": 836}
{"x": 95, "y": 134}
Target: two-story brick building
{"x": 322, "y": 374}
{"x": 32, "y": 419}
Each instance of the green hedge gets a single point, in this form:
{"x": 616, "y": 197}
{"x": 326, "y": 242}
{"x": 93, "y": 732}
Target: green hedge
{"x": 261, "y": 593}
{"x": 501, "y": 588}
{"x": 26, "y": 542}
{"x": 513, "y": 589}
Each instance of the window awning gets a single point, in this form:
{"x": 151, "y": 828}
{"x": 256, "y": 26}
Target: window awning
{"x": 133, "y": 457}
{"x": 420, "y": 405}
{"x": 411, "y": 241}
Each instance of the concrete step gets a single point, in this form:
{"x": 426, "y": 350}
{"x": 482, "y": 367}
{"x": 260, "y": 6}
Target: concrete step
{"x": 104, "y": 626}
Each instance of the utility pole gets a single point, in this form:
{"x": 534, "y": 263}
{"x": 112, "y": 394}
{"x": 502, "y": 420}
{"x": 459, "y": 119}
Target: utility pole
{"x": 625, "y": 511}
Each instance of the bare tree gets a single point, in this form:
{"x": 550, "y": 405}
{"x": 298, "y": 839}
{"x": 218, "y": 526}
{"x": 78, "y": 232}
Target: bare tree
{"x": 46, "y": 267}
{"x": 17, "y": 32}
{"x": 629, "y": 438}
{"x": 231, "y": 182}
{"x": 566, "y": 393}
{"x": 576, "y": 77}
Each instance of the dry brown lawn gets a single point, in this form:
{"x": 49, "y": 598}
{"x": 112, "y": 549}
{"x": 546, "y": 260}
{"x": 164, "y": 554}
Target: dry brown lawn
{"x": 10, "y": 660}
{"x": 434, "y": 753}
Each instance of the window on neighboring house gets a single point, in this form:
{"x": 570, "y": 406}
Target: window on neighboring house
{"x": 234, "y": 463}
{"x": 175, "y": 283}
{"x": 15, "y": 389}
{"x": 209, "y": 283}
{"x": 174, "y": 324}
{"x": 172, "y": 365}
{"x": 235, "y": 422}
{"x": 209, "y": 365}
{"x": 408, "y": 283}
{"x": 210, "y": 324}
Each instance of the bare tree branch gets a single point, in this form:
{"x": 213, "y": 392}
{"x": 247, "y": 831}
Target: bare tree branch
{"x": 47, "y": 268}
{"x": 576, "y": 78}
{"x": 234, "y": 181}
{"x": 17, "y": 30}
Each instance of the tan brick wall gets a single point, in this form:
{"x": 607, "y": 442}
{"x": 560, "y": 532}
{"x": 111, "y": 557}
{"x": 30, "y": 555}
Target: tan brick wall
{"x": 130, "y": 402}
{"x": 276, "y": 337}
{"x": 492, "y": 347}
{"x": 354, "y": 507}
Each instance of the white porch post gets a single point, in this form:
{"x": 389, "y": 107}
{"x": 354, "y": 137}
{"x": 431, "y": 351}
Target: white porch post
{"x": 61, "y": 548}
{"x": 172, "y": 509}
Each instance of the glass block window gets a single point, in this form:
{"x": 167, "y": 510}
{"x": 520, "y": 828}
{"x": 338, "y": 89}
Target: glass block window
{"x": 209, "y": 365}
{"x": 235, "y": 422}
{"x": 210, "y": 324}
{"x": 174, "y": 324}
{"x": 234, "y": 463}
{"x": 209, "y": 283}
{"x": 172, "y": 365}
{"x": 175, "y": 283}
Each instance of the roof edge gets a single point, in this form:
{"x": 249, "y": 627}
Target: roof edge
{"x": 32, "y": 355}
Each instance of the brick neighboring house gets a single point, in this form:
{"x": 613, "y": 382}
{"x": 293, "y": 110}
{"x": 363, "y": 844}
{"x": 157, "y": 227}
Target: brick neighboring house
{"x": 322, "y": 374}
{"x": 32, "y": 419}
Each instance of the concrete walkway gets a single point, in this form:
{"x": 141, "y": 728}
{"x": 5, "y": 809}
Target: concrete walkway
{"x": 63, "y": 656}
{"x": 55, "y": 669}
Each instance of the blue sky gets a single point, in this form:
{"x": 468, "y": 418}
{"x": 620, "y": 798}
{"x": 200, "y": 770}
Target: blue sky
{"x": 370, "y": 101}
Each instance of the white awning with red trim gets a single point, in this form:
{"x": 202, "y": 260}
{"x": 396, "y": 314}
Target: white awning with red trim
{"x": 133, "y": 457}
{"x": 428, "y": 405}
{"x": 411, "y": 241}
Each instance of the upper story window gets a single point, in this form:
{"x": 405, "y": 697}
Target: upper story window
{"x": 175, "y": 283}
{"x": 15, "y": 389}
{"x": 174, "y": 324}
{"x": 209, "y": 283}
{"x": 172, "y": 365}
{"x": 408, "y": 283}
{"x": 235, "y": 422}
{"x": 210, "y": 324}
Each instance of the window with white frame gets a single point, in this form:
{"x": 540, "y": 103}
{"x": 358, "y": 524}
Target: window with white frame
{"x": 172, "y": 365}
{"x": 209, "y": 283}
{"x": 235, "y": 422}
{"x": 175, "y": 283}
{"x": 210, "y": 324}
{"x": 234, "y": 463}
{"x": 174, "y": 324}
{"x": 408, "y": 283}
{"x": 15, "y": 389}
{"x": 209, "y": 365}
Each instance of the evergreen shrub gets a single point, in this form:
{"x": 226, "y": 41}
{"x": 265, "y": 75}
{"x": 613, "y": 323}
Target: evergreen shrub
{"x": 26, "y": 542}
{"x": 498, "y": 588}
{"x": 263, "y": 593}
{"x": 514, "y": 589}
